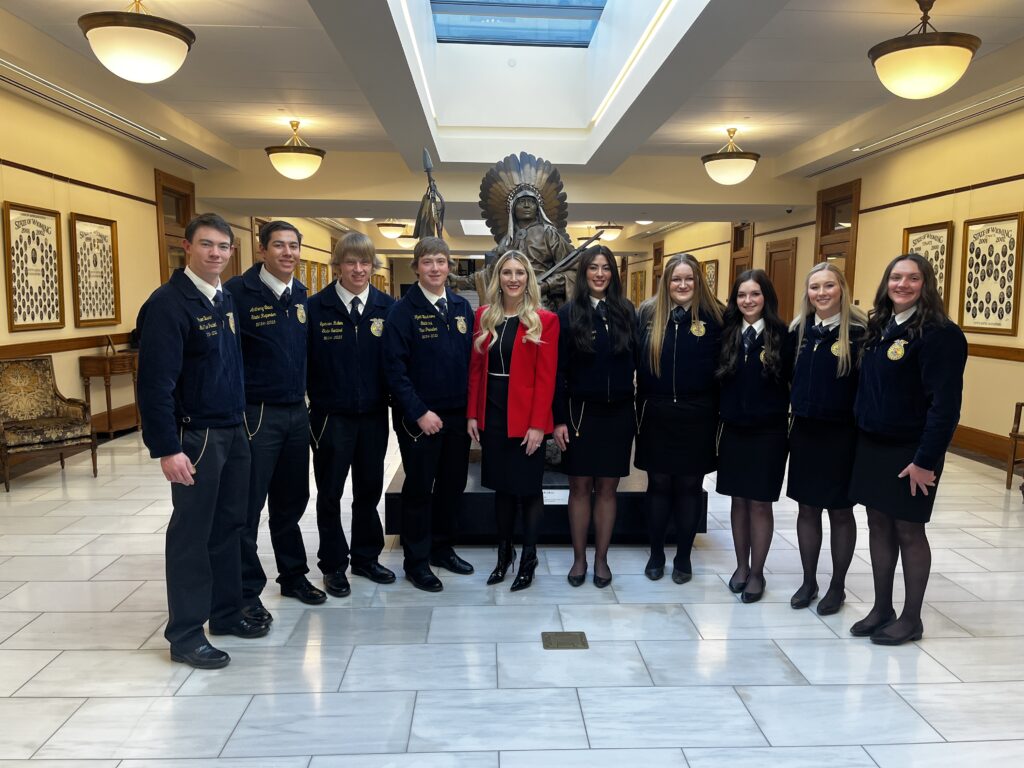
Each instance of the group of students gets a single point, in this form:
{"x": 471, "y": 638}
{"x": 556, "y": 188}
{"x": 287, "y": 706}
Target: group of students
{"x": 224, "y": 373}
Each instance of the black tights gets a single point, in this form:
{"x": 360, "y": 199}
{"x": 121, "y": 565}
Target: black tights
{"x": 843, "y": 539}
{"x": 891, "y": 539}
{"x": 506, "y": 505}
{"x": 581, "y": 489}
{"x": 675, "y": 497}
{"x": 753, "y": 524}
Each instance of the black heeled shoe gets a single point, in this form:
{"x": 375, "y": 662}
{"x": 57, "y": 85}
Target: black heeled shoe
{"x": 864, "y": 628}
{"x": 736, "y": 586}
{"x": 527, "y": 565}
{"x": 578, "y": 579}
{"x": 881, "y": 637}
{"x": 506, "y": 556}
{"x": 753, "y": 597}
{"x": 802, "y": 597}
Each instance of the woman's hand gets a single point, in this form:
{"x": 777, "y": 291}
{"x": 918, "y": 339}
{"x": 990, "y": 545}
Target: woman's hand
{"x": 561, "y": 436}
{"x": 471, "y": 428}
{"x": 533, "y": 440}
{"x": 919, "y": 478}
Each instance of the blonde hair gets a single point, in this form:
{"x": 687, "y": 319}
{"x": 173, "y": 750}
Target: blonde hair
{"x": 660, "y": 307}
{"x": 494, "y": 314}
{"x": 849, "y": 314}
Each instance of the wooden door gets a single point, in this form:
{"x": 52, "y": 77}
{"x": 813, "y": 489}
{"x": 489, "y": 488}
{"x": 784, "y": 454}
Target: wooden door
{"x": 176, "y": 205}
{"x": 780, "y": 260}
{"x": 741, "y": 256}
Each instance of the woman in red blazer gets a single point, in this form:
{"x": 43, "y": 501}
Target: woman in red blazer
{"x": 511, "y": 388}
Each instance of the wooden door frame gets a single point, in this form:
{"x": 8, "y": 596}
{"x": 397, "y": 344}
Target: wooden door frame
{"x": 741, "y": 257}
{"x": 789, "y": 244}
{"x": 848, "y": 237}
{"x": 163, "y": 180}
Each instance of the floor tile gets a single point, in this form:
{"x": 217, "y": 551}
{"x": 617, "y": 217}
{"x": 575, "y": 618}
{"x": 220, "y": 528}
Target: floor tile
{"x": 718, "y": 662}
{"x": 123, "y": 544}
{"x": 460, "y": 591}
{"x": 27, "y": 724}
{"x": 36, "y": 525}
{"x": 779, "y": 757}
{"x": 86, "y": 631}
{"x": 987, "y": 586}
{"x": 41, "y": 544}
{"x": 417, "y": 760}
{"x": 594, "y": 758}
{"x": 361, "y": 626}
{"x": 12, "y": 622}
{"x": 86, "y": 508}
{"x": 997, "y": 558}
{"x": 605, "y": 664}
{"x": 700, "y": 589}
{"x": 322, "y": 724}
{"x": 935, "y": 623}
{"x": 654, "y": 717}
{"x": 493, "y": 624}
{"x": 738, "y": 621}
{"x": 314, "y": 669}
{"x": 432, "y": 666}
{"x": 107, "y": 674}
{"x": 939, "y": 587}
{"x": 988, "y": 619}
{"x": 970, "y": 711}
{"x": 52, "y": 568}
{"x": 979, "y": 659}
{"x": 112, "y": 524}
{"x": 528, "y": 719}
{"x": 660, "y": 621}
{"x": 68, "y": 596}
{"x": 18, "y": 667}
{"x": 835, "y": 715}
{"x": 151, "y": 596}
{"x": 832, "y": 662}
{"x": 551, "y": 590}
{"x": 147, "y": 727}
{"x": 991, "y": 754}
{"x": 224, "y": 762}
{"x": 132, "y": 568}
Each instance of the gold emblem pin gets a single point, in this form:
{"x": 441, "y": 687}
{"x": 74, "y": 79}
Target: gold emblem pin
{"x": 231, "y": 320}
{"x": 460, "y": 323}
{"x": 762, "y": 357}
{"x": 835, "y": 348}
{"x": 896, "y": 351}
{"x": 697, "y": 328}
{"x": 300, "y": 312}
{"x": 377, "y": 326}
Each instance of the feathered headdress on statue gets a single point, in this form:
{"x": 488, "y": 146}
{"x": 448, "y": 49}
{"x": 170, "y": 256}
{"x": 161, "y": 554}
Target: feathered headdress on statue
{"x": 515, "y": 176}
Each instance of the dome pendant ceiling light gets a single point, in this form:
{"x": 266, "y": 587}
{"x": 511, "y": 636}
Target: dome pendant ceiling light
{"x": 406, "y": 241}
{"x": 924, "y": 62}
{"x": 391, "y": 229}
{"x": 295, "y": 158}
{"x": 730, "y": 164}
{"x": 610, "y": 231}
{"x": 136, "y": 46}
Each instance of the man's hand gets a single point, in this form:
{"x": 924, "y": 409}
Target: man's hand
{"x": 919, "y": 478}
{"x": 429, "y": 423}
{"x": 561, "y": 436}
{"x": 178, "y": 469}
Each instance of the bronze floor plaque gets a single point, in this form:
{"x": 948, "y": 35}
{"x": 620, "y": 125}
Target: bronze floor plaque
{"x": 564, "y": 641}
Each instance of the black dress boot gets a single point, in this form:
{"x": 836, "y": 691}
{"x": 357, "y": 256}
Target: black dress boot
{"x": 506, "y": 556}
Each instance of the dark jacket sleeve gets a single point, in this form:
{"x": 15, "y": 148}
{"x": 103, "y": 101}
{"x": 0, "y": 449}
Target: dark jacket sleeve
{"x": 397, "y": 358}
{"x": 161, "y": 351}
{"x": 943, "y": 359}
{"x": 560, "y": 406}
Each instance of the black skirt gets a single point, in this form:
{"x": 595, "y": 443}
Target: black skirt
{"x": 875, "y": 480}
{"x": 677, "y": 438}
{"x": 600, "y": 438}
{"x": 820, "y": 462}
{"x": 752, "y": 461}
{"x": 504, "y": 465}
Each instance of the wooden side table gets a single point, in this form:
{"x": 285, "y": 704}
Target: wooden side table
{"x": 121, "y": 364}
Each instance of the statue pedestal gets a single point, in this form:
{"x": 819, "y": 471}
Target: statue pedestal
{"x": 476, "y": 524}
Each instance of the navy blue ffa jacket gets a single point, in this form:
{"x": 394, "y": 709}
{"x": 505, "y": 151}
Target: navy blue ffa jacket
{"x": 273, "y": 339}
{"x": 190, "y": 364}
{"x": 911, "y": 388}
{"x": 817, "y": 393}
{"x": 601, "y": 375}
{"x": 426, "y": 362}
{"x": 689, "y": 357}
{"x": 346, "y": 359}
{"x": 751, "y": 397}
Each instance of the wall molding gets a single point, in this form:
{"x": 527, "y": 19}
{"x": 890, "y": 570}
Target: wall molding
{"x": 1014, "y": 354}
{"x": 71, "y": 344}
{"x": 945, "y": 192}
{"x": 980, "y": 441}
{"x": 783, "y": 229}
{"x": 75, "y": 182}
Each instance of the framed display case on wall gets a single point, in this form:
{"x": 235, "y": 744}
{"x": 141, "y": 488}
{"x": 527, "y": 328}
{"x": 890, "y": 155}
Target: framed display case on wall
{"x": 935, "y": 243}
{"x": 990, "y": 275}
{"x": 710, "y": 268}
{"x": 638, "y": 287}
{"x": 34, "y": 268}
{"x": 95, "y": 280}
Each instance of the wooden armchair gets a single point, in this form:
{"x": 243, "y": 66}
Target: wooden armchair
{"x": 1015, "y": 437}
{"x": 35, "y": 417}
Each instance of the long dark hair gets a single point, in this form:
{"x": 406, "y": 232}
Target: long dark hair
{"x": 930, "y": 308}
{"x": 581, "y": 313}
{"x": 732, "y": 327}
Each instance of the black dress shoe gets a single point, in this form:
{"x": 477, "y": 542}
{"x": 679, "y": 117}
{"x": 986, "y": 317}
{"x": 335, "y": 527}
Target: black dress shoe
{"x": 883, "y": 637}
{"x": 506, "y": 556}
{"x": 203, "y": 657}
{"x": 257, "y": 613}
{"x": 864, "y": 628}
{"x": 831, "y": 603}
{"x": 655, "y": 567}
{"x": 375, "y": 572}
{"x": 577, "y": 580}
{"x": 527, "y": 565}
{"x": 680, "y": 577}
{"x": 802, "y": 597}
{"x": 735, "y": 585}
{"x": 304, "y": 592}
{"x": 337, "y": 584}
{"x": 452, "y": 562}
{"x": 602, "y": 581}
{"x": 242, "y": 628}
{"x": 425, "y": 580}
{"x": 753, "y": 597}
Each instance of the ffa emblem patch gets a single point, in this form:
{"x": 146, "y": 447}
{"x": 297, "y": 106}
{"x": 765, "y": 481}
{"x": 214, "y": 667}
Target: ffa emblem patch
{"x": 697, "y": 328}
{"x": 231, "y": 320}
{"x": 896, "y": 351}
{"x": 300, "y": 312}
{"x": 762, "y": 357}
{"x": 460, "y": 323}
{"x": 835, "y": 348}
{"x": 377, "y": 326}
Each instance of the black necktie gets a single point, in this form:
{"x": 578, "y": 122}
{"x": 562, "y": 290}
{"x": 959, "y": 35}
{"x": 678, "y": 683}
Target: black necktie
{"x": 218, "y": 300}
{"x": 286, "y": 297}
{"x": 442, "y": 309}
{"x": 679, "y": 315}
{"x": 891, "y": 329}
{"x": 602, "y": 310}
{"x": 819, "y": 331}
{"x": 356, "y": 314}
{"x": 749, "y": 336}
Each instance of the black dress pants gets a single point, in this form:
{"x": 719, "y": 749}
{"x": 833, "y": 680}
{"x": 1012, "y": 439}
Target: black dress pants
{"x": 435, "y": 479}
{"x": 279, "y": 478}
{"x": 202, "y": 542}
{"x": 341, "y": 441}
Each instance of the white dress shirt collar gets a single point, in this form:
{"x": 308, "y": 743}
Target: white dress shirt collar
{"x": 902, "y": 317}
{"x": 346, "y": 295}
{"x": 828, "y": 322}
{"x": 209, "y": 291}
{"x": 432, "y": 298}
{"x": 758, "y": 326}
{"x": 276, "y": 286}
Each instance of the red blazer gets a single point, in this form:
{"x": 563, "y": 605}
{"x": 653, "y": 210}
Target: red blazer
{"x": 531, "y": 385}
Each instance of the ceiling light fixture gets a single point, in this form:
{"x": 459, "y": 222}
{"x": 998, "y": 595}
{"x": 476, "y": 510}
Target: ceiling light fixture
{"x": 923, "y": 63}
{"x": 406, "y": 241}
{"x": 391, "y": 229}
{"x": 730, "y": 164}
{"x": 611, "y": 231}
{"x": 364, "y": 219}
{"x": 295, "y": 159}
{"x": 644, "y": 222}
{"x": 135, "y": 45}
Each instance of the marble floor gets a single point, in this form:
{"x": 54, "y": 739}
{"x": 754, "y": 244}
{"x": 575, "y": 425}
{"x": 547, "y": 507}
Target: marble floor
{"x": 392, "y": 677}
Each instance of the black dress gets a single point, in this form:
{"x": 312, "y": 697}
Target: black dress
{"x": 505, "y": 466}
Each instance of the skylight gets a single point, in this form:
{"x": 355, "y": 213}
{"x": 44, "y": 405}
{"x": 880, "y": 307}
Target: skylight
{"x": 562, "y": 23}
